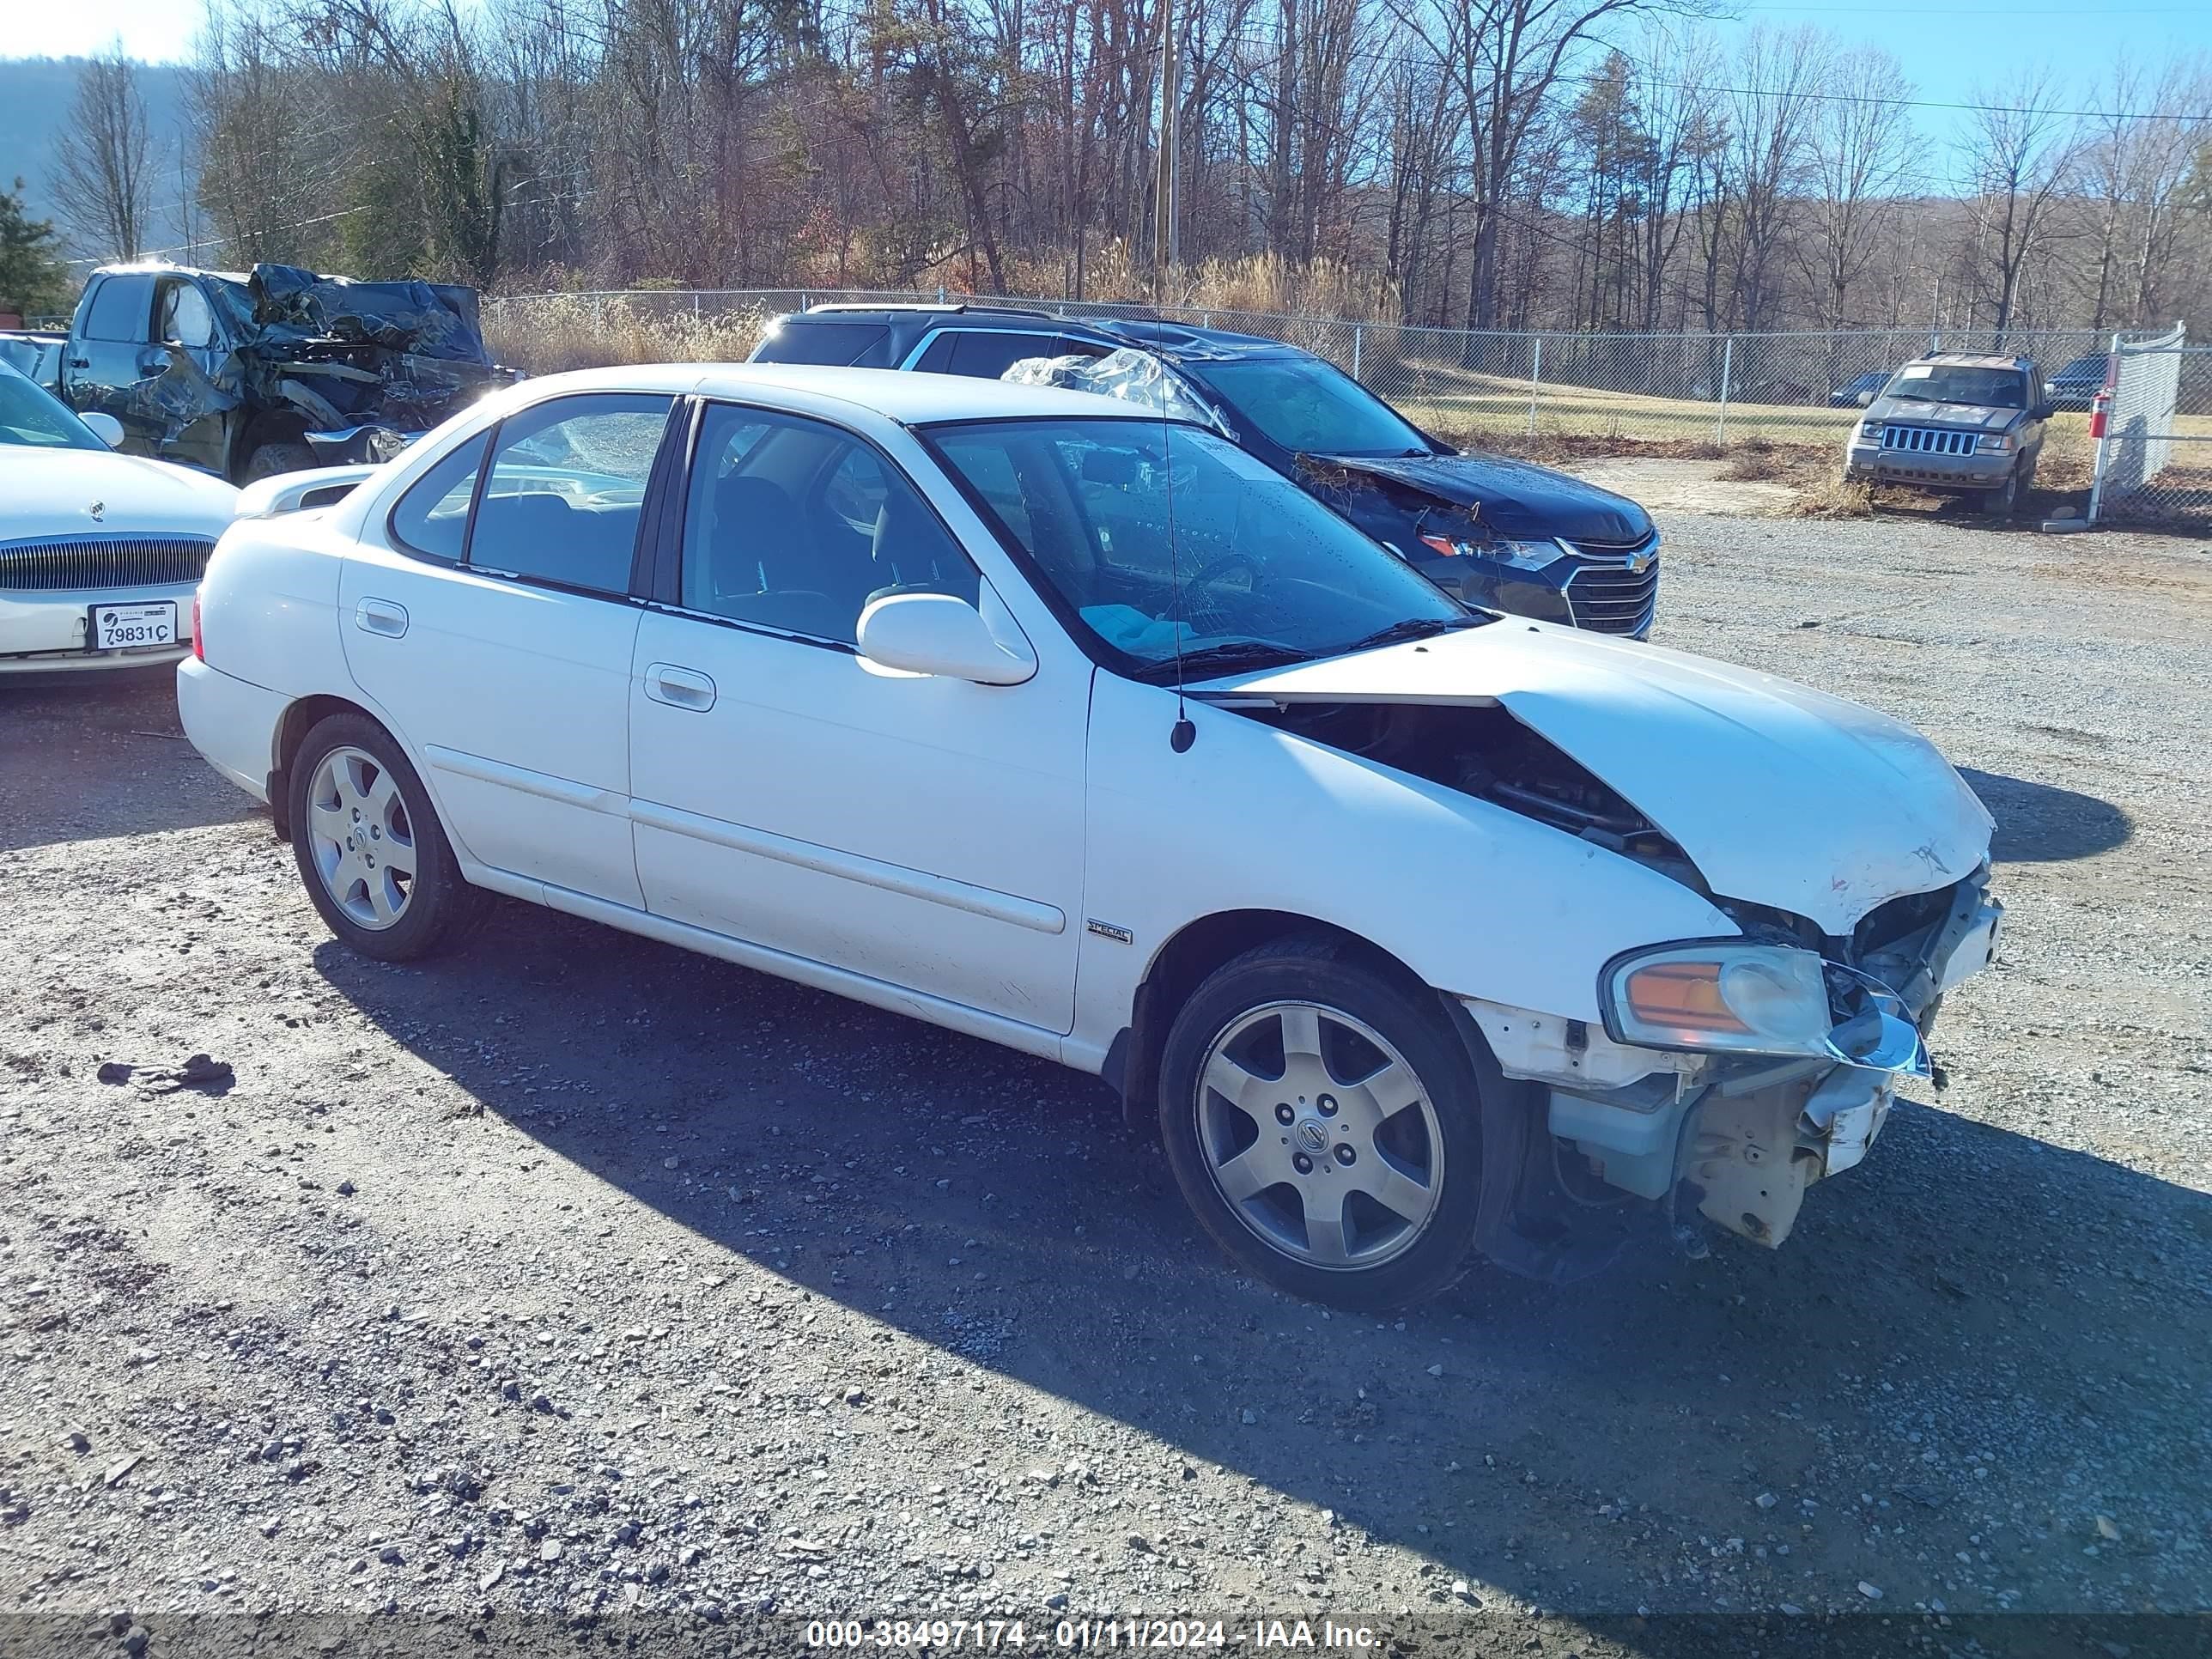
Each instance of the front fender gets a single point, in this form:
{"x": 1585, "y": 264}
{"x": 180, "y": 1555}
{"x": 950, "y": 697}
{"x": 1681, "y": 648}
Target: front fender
{"x": 1474, "y": 899}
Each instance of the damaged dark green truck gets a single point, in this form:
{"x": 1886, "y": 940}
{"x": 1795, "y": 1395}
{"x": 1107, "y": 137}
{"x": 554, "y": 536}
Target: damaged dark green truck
{"x": 273, "y": 371}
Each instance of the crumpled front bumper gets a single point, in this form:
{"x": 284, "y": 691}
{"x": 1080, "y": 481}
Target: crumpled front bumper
{"x": 1739, "y": 1138}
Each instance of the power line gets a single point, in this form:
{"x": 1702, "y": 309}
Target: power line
{"x": 1433, "y": 60}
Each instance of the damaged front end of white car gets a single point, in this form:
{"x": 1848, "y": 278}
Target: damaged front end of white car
{"x": 1720, "y": 1075}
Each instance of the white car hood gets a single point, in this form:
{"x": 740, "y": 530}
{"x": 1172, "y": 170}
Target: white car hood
{"x": 1780, "y": 794}
{"x": 54, "y": 492}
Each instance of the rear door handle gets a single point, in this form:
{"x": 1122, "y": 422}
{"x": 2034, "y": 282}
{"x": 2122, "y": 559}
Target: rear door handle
{"x": 679, "y": 688}
{"x": 380, "y": 617}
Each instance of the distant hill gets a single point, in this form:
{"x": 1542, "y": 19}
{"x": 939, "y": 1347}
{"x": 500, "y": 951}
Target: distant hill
{"x": 35, "y": 94}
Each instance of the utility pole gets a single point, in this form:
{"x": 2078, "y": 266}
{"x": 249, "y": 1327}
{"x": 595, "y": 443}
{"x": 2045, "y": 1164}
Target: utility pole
{"x": 1164, "y": 250}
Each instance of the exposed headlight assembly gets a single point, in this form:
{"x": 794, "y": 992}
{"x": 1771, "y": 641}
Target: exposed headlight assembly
{"x": 1526, "y": 556}
{"x": 1995, "y": 443}
{"x": 1736, "y": 998}
{"x": 1521, "y": 556}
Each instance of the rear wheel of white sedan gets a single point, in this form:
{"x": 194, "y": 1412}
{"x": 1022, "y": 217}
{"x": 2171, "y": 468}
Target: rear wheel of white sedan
{"x": 1322, "y": 1121}
{"x": 374, "y": 858}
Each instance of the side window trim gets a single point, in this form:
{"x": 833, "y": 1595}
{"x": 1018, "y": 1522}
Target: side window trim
{"x": 1045, "y": 328}
{"x": 680, "y": 512}
{"x": 677, "y": 404}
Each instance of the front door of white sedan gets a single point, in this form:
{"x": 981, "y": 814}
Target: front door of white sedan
{"x": 923, "y": 831}
{"x": 497, "y": 633}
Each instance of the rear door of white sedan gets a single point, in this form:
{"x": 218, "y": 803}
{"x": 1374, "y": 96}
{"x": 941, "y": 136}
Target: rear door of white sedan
{"x": 923, "y": 831}
{"x": 497, "y": 633}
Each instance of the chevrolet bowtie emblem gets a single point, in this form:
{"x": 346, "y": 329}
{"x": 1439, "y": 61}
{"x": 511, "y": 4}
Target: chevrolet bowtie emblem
{"x": 1640, "y": 563}
{"x": 99, "y": 511}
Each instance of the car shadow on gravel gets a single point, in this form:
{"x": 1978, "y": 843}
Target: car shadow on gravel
{"x": 1972, "y": 1305}
{"x": 93, "y": 755}
{"x": 2042, "y": 824}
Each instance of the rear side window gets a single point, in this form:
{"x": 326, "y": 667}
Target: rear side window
{"x": 835, "y": 344}
{"x": 432, "y": 516}
{"x": 121, "y": 308}
{"x": 567, "y": 489}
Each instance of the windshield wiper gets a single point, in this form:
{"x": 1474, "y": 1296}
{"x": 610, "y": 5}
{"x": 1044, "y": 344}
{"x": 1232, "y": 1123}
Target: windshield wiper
{"x": 1223, "y": 658}
{"x": 1413, "y": 628}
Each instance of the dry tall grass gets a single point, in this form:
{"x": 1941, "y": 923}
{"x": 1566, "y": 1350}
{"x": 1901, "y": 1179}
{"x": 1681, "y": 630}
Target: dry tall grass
{"x": 546, "y": 335}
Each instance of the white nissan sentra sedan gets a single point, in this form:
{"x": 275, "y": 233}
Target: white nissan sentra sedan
{"x": 1418, "y": 933}
{"x": 98, "y": 552}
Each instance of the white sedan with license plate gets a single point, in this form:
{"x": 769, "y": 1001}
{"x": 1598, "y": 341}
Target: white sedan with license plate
{"x": 99, "y": 553}
{"x": 1418, "y": 934}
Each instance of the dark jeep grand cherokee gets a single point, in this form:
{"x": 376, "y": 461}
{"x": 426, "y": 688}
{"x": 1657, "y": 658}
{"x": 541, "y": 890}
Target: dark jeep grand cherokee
{"x": 1495, "y": 531}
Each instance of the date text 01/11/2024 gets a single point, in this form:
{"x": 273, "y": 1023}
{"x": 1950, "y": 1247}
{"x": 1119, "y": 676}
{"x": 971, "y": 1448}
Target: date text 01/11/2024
{"x": 1086, "y": 1635}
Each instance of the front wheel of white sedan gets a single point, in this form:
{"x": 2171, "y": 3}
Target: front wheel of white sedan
{"x": 1322, "y": 1122}
{"x": 369, "y": 846}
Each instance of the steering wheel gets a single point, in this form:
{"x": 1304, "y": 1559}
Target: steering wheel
{"x": 1214, "y": 569}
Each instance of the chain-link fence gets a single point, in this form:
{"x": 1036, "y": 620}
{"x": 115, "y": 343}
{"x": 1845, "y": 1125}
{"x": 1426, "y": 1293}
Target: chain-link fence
{"x": 2155, "y": 461}
{"x": 1694, "y": 389}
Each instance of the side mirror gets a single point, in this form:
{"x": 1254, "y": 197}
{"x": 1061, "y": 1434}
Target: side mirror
{"x": 936, "y": 633}
{"x": 2043, "y": 411}
{"x": 105, "y": 428}
{"x": 1866, "y": 400}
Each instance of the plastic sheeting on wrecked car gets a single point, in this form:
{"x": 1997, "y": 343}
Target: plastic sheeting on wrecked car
{"x": 1132, "y": 375}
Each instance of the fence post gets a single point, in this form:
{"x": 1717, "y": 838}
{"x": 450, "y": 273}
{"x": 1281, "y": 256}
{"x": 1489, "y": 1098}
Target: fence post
{"x": 1535, "y": 378}
{"x": 940, "y": 294}
{"x": 1356, "y": 331}
{"x": 2097, "y": 467}
{"x": 1728, "y": 368}
{"x": 1206, "y": 320}
{"x": 694, "y": 304}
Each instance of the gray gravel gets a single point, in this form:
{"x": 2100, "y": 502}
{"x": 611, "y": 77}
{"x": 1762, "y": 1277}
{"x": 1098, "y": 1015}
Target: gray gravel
{"x": 574, "y": 1274}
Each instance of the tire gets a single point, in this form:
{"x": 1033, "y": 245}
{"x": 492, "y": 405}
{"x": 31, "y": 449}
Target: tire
{"x": 270, "y": 459}
{"x": 359, "y": 815}
{"x": 1247, "y": 1025}
{"x": 2006, "y": 496}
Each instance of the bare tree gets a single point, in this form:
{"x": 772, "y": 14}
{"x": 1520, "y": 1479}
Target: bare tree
{"x": 1505, "y": 58}
{"x": 103, "y": 168}
{"x": 2138, "y": 153}
{"x": 1860, "y": 150}
{"x": 2022, "y": 152}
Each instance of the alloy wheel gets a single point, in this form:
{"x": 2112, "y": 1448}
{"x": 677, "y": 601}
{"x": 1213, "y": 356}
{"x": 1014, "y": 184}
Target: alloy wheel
{"x": 362, "y": 840}
{"x": 1319, "y": 1135}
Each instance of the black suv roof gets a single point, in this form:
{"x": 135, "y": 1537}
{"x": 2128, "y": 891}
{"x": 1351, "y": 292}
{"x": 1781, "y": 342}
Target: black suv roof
{"x": 905, "y": 326}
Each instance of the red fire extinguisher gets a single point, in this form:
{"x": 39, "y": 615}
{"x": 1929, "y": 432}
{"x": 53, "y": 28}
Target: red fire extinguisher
{"x": 2099, "y": 407}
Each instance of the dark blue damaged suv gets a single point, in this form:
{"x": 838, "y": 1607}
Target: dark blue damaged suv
{"x": 1499, "y": 532}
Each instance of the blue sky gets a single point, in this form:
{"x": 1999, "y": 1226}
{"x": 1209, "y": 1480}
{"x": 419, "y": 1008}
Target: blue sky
{"x": 1946, "y": 46}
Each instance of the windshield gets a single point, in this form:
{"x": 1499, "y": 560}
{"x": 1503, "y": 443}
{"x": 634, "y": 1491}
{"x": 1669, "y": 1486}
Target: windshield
{"x": 1953, "y": 383}
{"x": 31, "y": 416}
{"x": 1306, "y": 405}
{"x": 1255, "y": 572}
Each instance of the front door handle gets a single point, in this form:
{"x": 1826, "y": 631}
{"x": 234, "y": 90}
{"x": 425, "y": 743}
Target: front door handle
{"x": 380, "y": 617}
{"x": 679, "y": 688}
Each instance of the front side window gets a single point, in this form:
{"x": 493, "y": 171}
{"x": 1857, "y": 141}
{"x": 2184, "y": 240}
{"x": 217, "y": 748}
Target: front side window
{"x": 567, "y": 489}
{"x": 1156, "y": 538}
{"x": 186, "y": 318}
{"x": 33, "y": 416}
{"x": 1307, "y": 406}
{"x": 795, "y": 525}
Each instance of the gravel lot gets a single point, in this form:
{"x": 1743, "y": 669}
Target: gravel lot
{"x": 573, "y": 1275}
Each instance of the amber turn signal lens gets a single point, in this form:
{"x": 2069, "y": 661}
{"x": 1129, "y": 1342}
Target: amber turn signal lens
{"x": 1685, "y": 996}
